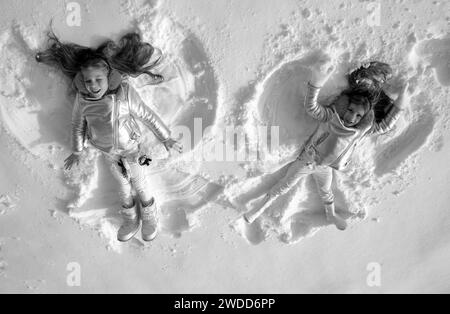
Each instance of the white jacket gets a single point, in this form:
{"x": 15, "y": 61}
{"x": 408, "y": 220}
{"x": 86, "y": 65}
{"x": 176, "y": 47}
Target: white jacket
{"x": 109, "y": 123}
{"x": 332, "y": 143}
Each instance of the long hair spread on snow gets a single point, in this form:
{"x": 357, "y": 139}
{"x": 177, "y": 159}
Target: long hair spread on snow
{"x": 378, "y": 73}
{"x": 131, "y": 56}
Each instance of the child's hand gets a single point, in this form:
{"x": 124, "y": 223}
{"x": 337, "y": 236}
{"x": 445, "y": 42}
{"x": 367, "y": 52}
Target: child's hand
{"x": 321, "y": 70}
{"x": 173, "y": 144}
{"x": 68, "y": 163}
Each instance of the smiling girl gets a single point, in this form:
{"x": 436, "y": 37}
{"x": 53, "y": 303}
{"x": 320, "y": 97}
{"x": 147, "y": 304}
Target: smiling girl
{"x": 105, "y": 112}
{"x": 341, "y": 127}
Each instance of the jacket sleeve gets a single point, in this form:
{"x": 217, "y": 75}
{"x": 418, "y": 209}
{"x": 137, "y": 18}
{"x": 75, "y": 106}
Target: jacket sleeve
{"x": 141, "y": 111}
{"x": 313, "y": 108}
{"x": 79, "y": 126}
{"x": 387, "y": 123}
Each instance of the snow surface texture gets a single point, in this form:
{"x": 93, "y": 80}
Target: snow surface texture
{"x": 390, "y": 159}
{"x": 38, "y": 121}
{"x": 35, "y": 107}
{"x": 40, "y": 114}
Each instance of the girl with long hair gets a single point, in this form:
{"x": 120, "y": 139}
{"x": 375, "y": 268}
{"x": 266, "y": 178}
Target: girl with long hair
{"x": 341, "y": 127}
{"x": 105, "y": 112}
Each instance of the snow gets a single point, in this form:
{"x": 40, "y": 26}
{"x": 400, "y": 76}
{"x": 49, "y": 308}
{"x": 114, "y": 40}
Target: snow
{"x": 242, "y": 64}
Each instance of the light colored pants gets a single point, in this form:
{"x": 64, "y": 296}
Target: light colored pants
{"x": 298, "y": 169}
{"x": 136, "y": 179}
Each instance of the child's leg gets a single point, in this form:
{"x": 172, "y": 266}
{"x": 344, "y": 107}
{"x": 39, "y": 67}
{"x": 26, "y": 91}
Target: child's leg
{"x": 323, "y": 176}
{"x": 129, "y": 213}
{"x": 139, "y": 182}
{"x": 149, "y": 210}
{"x": 297, "y": 170}
{"x": 125, "y": 189}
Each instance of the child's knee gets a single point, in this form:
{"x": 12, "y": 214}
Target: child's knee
{"x": 128, "y": 202}
{"x": 147, "y": 202}
{"x": 144, "y": 193}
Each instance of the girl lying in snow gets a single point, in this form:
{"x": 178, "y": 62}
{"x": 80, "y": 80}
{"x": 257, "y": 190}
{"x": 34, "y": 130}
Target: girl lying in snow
{"x": 342, "y": 125}
{"x": 105, "y": 112}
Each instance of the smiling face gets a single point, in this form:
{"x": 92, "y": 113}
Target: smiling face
{"x": 353, "y": 115}
{"x": 351, "y": 108}
{"x": 95, "y": 81}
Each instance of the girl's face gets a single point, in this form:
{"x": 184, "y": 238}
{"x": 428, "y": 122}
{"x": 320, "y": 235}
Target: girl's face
{"x": 95, "y": 81}
{"x": 353, "y": 115}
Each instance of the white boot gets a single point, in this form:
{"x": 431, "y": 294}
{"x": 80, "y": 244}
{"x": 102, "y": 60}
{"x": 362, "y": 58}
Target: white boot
{"x": 334, "y": 218}
{"x": 252, "y": 215}
{"x": 149, "y": 215}
{"x": 130, "y": 224}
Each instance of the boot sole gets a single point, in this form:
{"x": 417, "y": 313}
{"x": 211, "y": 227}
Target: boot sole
{"x": 128, "y": 238}
{"x": 151, "y": 238}
{"x": 247, "y": 220}
{"x": 343, "y": 227}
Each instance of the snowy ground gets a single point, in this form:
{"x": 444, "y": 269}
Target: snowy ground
{"x": 241, "y": 64}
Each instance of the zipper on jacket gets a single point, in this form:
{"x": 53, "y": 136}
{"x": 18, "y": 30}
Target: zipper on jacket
{"x": 354, "y": 143}
{"x": 115, "y": 122}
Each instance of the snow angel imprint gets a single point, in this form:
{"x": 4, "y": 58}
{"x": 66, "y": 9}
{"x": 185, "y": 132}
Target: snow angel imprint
{"x": 105, "y": 112}
{"x": 362, "y": 110}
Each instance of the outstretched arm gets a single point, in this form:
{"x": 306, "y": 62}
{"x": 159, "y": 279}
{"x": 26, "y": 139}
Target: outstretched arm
{"x": 320, "y": 72}
{"x": 313, "y": 108}
{"x": 387, "y": 124}
{"x": 151, "y": 120}
{"x": 78, "y": 134}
